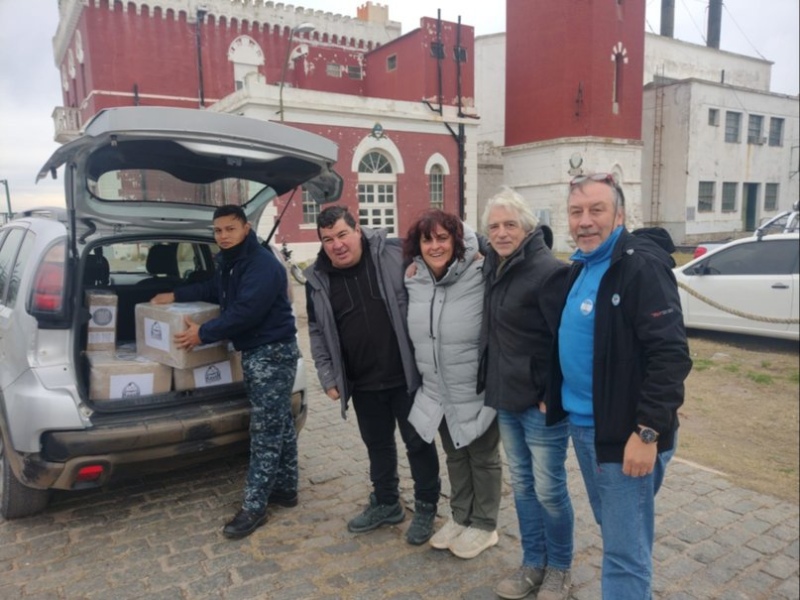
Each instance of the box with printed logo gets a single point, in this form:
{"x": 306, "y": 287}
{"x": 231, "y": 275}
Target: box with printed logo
{"x": 157, "y": 324}
{"x": 123, "y": 375}
{"x": 218, "y": 373}
{"x": 101, "y": 331}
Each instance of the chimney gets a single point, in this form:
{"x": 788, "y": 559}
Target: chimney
{"x": 714, "y": 23}
{"x": 668, "y": 18}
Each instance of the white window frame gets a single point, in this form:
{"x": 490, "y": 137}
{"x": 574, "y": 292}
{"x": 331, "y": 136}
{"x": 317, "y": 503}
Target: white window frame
{"x": 771, "y": 191}
{"x": 310, "y": 210}
{"x": 730, "y": 193}
{"x": 733, "y": 127}
{"x": 377, "y": 192}
{"x": 706, "y": 190}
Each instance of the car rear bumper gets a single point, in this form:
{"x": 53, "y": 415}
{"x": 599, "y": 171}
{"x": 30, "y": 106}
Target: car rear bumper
{"x": 119, "y": 447}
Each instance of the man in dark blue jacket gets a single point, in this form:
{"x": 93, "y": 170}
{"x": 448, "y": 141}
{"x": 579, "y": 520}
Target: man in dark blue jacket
{"x": 620, "y": 362}
{"x": 250, "y": 286}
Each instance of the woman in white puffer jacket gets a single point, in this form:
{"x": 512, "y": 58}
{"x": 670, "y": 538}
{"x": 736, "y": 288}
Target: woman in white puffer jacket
{"x": 445, "y": 307}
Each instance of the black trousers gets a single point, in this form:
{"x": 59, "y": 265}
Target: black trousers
{"x": 377, "y": 413}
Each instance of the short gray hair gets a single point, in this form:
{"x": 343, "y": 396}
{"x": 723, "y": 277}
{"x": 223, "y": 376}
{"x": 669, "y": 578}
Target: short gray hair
{"x": 510, "y": 200}
{"x": 609, "y": 179}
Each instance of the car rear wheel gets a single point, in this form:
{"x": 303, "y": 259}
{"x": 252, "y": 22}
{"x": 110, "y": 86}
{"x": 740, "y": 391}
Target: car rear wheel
{"x": 17, "y": 500}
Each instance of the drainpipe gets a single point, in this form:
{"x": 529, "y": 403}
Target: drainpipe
{"x": 199, "y": 42}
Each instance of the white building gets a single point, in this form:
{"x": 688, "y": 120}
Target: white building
{"x": 693, "y": 182}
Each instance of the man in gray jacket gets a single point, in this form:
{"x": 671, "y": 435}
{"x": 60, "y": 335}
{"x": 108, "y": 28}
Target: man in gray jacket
{"x": 357, "y": 306}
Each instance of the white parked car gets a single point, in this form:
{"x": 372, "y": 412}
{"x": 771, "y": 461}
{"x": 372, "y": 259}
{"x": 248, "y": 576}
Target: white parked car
{"x": 733, "y": 286}
{"x": 141, "y": 186}
{"x": 786, "y": 222}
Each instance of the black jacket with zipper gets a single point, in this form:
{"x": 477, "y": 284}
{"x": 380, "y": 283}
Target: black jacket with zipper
{"x": 519, "y": 316}
{"x": 640, "y": 355}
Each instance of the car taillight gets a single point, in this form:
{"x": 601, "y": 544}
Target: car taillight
{"x": 89, "y": 473}
{"x": 47, "y": 299}
{"x": 699, "y": 251}
{"x": 48, "y": 288}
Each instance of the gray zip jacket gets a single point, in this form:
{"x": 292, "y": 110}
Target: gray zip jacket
{"x": 444, "y": 322}
{"x": 387, "y": 256}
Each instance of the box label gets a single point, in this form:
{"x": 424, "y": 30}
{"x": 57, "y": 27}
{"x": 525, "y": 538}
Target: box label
{"x": 157, "y": 334}
{"x": 101, "y": 337}
{"x": 103, "y": 316}
{"x": 130, "y": 386}
{"x": 215, "y": 374}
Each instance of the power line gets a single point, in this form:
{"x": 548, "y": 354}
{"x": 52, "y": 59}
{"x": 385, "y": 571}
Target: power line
{"x": 699, "y": 30}
{"x": 725, "y": 6}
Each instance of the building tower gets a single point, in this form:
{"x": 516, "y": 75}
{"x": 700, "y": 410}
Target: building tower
{"x": 573, "y": 100}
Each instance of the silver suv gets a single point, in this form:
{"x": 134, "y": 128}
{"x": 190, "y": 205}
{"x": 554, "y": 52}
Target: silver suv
{"x": 141, "y": 185}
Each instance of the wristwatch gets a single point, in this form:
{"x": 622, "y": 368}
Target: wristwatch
{"x": 647, "y": 435}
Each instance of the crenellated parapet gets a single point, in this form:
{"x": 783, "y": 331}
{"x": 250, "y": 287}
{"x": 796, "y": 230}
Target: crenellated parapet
{"x": 251, "y": 15}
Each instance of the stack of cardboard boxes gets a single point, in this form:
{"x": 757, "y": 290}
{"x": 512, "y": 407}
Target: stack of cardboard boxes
{"x": 155, "y": 365}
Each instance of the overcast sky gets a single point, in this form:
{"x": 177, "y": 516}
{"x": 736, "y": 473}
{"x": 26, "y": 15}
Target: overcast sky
{"x": 30, "y": 81}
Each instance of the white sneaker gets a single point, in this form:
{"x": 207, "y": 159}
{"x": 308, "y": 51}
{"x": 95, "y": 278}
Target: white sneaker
{"x": 445, "y": 536}
{"x": 472, "y": 542}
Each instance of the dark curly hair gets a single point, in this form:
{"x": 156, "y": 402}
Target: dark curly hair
{"x": 423, "y": 228}
{"x": 328, "y": 218}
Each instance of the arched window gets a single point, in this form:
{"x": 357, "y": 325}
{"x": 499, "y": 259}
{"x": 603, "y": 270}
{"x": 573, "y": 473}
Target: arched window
{"x": 246, "y": 56}
{"x": 619, "y": 56}
{"x": 377, "y": 184}
{"x": 436, "y": 186}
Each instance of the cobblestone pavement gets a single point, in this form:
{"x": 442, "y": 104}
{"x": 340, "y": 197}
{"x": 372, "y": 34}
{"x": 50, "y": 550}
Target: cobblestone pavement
{"x": 160, "y": 536}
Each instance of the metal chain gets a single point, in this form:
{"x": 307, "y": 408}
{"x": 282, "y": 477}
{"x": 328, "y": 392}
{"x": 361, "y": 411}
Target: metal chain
{"x": 733, "y": 311}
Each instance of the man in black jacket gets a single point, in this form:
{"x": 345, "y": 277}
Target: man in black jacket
{"x": 357, "y": 305}
{"x": 523, "y": 280}
{"x": 620, "y": 361}
{"x": 251, "y": 288}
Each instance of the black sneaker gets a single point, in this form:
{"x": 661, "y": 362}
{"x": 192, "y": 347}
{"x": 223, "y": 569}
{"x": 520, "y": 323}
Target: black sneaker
{"x": 421, "y": 528}
{"x": 375, "y": 515}
{"x": 283, "y": 498}
{"x": 243, "y": 524}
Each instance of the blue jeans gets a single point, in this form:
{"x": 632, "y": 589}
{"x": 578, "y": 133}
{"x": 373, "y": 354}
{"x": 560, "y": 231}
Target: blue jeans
{"x": 624, "y": 507}
{"x": 536, "y": 460}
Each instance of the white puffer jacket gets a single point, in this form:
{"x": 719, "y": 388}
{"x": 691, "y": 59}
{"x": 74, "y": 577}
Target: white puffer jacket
{"x": 444, "y": 323}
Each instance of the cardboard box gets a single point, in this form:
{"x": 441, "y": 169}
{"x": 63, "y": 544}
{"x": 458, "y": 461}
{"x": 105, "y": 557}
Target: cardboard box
{"x": 122, "y": 374}
{"x": 157, "y": 324}
{"x": 218, "y": 373}
{"x": 102, "y": 326}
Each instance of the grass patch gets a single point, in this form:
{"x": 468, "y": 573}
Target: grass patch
{"x": 794, "y": 377}
{"x": 731, "y": 368}
{"x": 765, "y": 364}
{"x": 761, "y": 378}
{"x": 702, "y": 364}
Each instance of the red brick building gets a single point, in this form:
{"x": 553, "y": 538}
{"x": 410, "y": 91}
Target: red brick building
{"x": 401, "y": 108}
{"x": 577, "y": 66}
{"x": 573, "y": 102}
